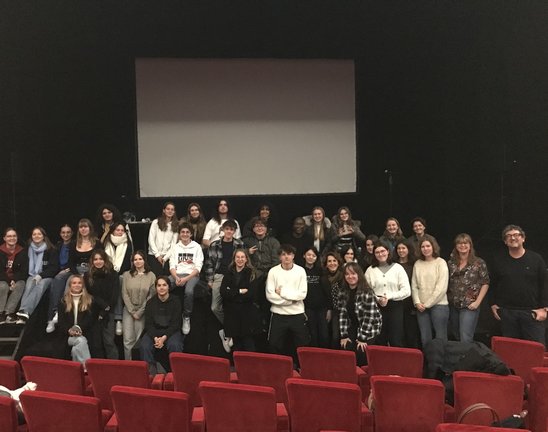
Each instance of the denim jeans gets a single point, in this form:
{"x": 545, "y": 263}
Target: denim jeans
{"x": 56, "y": 291}
{"x": 80, "y": 349}
{"x": 185, "y": 293}
{"x": 9, "y": 298}
{"x": 216, "y": 299}
{"x": 148, "y": 352}
{"x": 437, "y": 316}
{"x": 463, "y": 323}
{"x": 33, "y": 294}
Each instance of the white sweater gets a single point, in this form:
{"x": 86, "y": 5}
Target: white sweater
{"x": 213, "y": 232}
{"x": 429, "y": 282}
{"x": 185, "y": 258}
{"x": 394, "y": 284}
{"x": 160, "y": 242}
{"x": 293, "y": 290}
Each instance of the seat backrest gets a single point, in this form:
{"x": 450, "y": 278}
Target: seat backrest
{"x": 10, "y": 374}
{"x": 147, "y": 409}
{"x": 51, "y": 412}
{"x": 104, "y": 374}
{"x": 327, "y": 365}
{"x": 519, "y": 355}
{"x": 323, "y": 405}
{"x": 454, "y": 427}
{"x": 383, "y": 360}
{"x": 502, "y": 393}
{"x": 8, "y": 415}
{"x": 407, "y": 404}
{"x": 269, "y": 370}
{"x": 238, "y": 407}
{"x": 538, "y": 399}
{"x": 190, "y": 369}
{"x": 55, "y": 375}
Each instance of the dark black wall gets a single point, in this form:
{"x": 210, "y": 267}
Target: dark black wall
{"x": 451, "y": 99}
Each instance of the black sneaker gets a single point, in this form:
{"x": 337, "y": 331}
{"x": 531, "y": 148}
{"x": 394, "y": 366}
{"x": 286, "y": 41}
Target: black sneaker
{"x": 11, "y": 318}
{"x": 3, "y": 316}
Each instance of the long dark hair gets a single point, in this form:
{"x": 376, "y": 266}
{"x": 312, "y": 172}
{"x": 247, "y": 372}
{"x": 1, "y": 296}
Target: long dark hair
{"x": 93, "y": 271}
{"x": 133, "y": 270}
{"x": 354, "y": 268}
{"x": 48, "y": 243}
{"x": 162, "y": 220}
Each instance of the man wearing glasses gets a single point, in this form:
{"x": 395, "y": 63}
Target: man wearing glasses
{"x": 519, "y": 290}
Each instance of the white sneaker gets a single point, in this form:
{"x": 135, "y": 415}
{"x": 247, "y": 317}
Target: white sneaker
{"x": 55, "y": 319}
{"x": 186, "y": 325}
{"x": 50, "y": 328}
{"x": 118, "y": 328}
{"x": 226, "y": 341}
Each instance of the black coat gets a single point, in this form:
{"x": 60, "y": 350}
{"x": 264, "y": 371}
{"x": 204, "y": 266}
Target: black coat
{"x": 242, "y": 316}
{"x": 20, "y": 266}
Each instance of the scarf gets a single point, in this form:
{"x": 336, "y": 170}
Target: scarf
{"x": 36, "y": 255}
{"x": 116, "y": 250}
{"x": 75, "y": 304}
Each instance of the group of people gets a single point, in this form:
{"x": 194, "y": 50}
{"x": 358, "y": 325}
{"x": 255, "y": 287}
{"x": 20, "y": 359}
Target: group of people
{"x": 324, "y": 283}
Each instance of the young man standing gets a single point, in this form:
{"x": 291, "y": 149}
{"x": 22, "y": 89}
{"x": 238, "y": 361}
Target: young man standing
{"x": 162, "y": 324}
{"x": 219, "y": 257}
{"x": 185, "y": 265}
{"x": 286, "y": 289}
{"x": 213, "y": 228}
{"x": 519, "y": 290}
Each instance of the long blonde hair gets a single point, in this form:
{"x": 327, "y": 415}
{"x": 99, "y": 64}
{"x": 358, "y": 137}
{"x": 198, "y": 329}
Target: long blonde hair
{"x": 85, "y": 300}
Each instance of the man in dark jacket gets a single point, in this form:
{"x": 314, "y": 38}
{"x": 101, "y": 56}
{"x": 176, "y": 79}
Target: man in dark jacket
{"x": 162, "y": 324}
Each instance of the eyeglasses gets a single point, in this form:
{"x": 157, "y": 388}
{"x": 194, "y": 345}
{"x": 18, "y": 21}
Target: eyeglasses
{"x": 512, "y": 236}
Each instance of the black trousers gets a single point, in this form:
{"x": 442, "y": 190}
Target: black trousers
{"x": 284, "y": 326}
{"x": 392, "y": 324}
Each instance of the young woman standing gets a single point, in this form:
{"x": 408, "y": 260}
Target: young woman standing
{"x": 161, "y": 237}
{"x": 360, "y": 319}
{"x": 239, "y": 289}
{"x": 429, "y": 290}
{"x": 137, "y": 289}
{"x": 103, "y": 284}
{"x": 390, "y": 284}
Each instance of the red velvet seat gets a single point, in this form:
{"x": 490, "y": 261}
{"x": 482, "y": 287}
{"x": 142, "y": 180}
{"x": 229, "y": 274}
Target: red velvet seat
{"x": 332, "y": 365}
{"x": 519, "y": 355}
{"x": 384, "y": 360}
{"x": 324, "y": 405}
{"x": 143, "y": 410}
{"x": 454, "y": 427}
{"x": 105, "y": 373}
{"x": 188, "y": 371}
{"x": 8, "y": 415}
{"x": 55, "y": 375}
{"x": 55, "y": 412}
{"x": 502, "y": 393}
{"x": 538, "y": 400}
{"x": 269, "y": 370}
{"x": 406, "y": 404}
{"x": 230, "y": 407}
{"x": 10, "y": 374}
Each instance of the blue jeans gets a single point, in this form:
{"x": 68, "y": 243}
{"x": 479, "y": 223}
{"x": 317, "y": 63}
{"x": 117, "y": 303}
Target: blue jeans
{"x": 185, "y": 293}
{"x": 56, "y": 291}
{"x": 463, "y": 323}
{"x": 33, "y": 294}
{"x": 437, "y": 316}
{"x": 173, "y": 344}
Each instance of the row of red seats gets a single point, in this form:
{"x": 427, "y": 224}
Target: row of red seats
{"x": 402, "y": 404}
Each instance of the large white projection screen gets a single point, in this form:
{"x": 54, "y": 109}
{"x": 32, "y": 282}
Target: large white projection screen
{"x": 210, "y": 127}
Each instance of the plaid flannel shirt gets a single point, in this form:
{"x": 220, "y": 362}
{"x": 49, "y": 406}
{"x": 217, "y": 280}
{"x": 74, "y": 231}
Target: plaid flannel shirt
{"x": 367, "y": 312}
{"x": 215, "y": 256}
